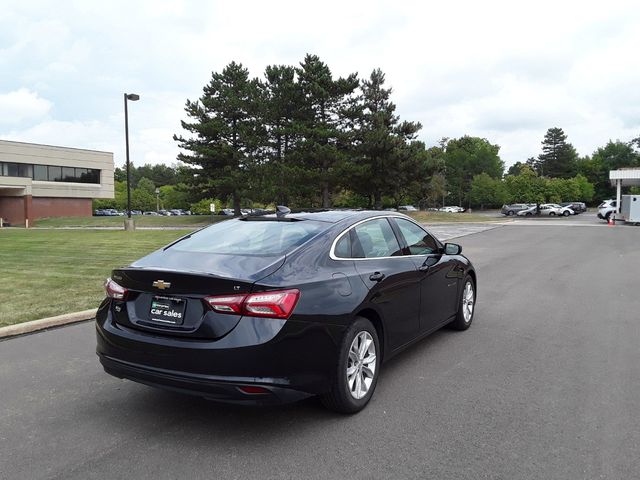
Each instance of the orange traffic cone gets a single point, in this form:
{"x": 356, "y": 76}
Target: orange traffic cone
{"x": 610, "y": 221}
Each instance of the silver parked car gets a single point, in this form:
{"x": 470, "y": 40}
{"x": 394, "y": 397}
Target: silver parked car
{"x": 527, "y": 212}
{"x": 553, "y": 209}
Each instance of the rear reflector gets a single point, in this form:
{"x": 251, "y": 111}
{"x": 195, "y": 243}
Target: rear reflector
{"x": 114, "y": 290}
{"x": 274, "y": 304}
{"x": 253, "y": 390}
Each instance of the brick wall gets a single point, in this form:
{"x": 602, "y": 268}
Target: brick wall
{"x": 12, "y": 210}
{"x": 15, "y": 209}
{"x": 61, "y": 207}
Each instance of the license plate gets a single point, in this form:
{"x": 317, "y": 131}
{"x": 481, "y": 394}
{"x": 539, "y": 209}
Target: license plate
{"x": 167, "y": 310}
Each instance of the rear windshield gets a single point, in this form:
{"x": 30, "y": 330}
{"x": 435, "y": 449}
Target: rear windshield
{"x": 242, "y": 237}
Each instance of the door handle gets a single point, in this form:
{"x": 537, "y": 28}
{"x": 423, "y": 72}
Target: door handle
{"x": 376, "y": 277}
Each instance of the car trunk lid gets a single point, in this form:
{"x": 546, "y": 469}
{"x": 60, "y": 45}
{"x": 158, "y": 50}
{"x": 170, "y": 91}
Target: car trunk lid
{"x": 168, "y": 300}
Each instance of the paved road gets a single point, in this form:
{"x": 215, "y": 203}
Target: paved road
{"x": 546, "y": 384}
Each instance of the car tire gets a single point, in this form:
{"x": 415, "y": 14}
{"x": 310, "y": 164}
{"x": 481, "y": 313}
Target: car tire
{"x": 466, "y": 305}
{"x": 566, "y": 213}
{"x": 510, "y": 213}
{"x": 528, "y": 214}
{"x": 606, "y": 217}
{"x": 552, "y": 214}
{"x": 345, "y": 397}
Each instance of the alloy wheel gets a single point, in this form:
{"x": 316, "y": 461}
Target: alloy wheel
{"x": 467, "y": 302}
{"x": 361, "y": 365}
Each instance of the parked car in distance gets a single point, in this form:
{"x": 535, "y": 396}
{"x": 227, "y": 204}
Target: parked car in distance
{"x": 108, "y": 212}
{"x": 553, "y": 209}
{"x": 451, "y": 209}
{"x": 226, "y": 211}
{"x": 151, "y": 213}
{"x": 99, "y": 212}
{"x": 514, "y": 208}
{"x": 527, "y": 212}
{"x": 407, "y": 208}
{"x": 166, "y": 213}
{"x": 136, "y": 212}
{"x": 576, "y": 207}
{"x": 606, "y": 208}
{"x": 233, "y": 312}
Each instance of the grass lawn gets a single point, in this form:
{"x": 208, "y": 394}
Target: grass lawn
{"x": 444, "y": 217}
{"x": 195, "y": 221}
{"x": 186, "y": 221}
{"x": 51, "y": 272}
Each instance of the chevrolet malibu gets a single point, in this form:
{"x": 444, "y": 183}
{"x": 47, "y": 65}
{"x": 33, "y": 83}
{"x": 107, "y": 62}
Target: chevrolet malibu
{"x": 276, "y": 308}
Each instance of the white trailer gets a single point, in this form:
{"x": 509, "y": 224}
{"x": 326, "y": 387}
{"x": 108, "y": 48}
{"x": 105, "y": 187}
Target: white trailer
{"x": 623, "y": 177}
{"x": 630, "y": 209}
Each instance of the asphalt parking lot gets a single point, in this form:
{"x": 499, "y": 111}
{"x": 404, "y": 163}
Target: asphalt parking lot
{"x": 545, "y": 384}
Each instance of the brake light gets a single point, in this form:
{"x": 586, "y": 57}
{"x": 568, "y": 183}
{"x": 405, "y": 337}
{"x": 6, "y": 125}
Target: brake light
{"x": 275, "y": 304}
{"x": 226, "y": 304}
{"x": 114, "y": 290}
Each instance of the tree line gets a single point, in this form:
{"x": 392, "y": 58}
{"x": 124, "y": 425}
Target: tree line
{"x": 301, "y": 136}
{"x": 298, "y": 135}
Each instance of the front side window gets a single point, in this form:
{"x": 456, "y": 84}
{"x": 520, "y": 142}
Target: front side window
{"x": 418, "y": 241}
{"x": 374, "y": 239}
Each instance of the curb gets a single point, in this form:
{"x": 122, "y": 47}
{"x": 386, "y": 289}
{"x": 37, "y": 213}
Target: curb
{"x": 46, "y": 323}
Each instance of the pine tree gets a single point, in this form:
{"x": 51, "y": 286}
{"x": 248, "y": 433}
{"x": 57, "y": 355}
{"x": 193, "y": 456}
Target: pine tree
{"x": 381, "y": 141}
{"x": 558, "y": 157}
{"x": 226, "y": 135}
{"x": 283, "y": 180}
{"x": 322, "y": 124}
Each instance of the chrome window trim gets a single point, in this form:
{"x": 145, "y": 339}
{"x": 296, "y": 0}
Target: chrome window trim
{"x": 333, "y": 256}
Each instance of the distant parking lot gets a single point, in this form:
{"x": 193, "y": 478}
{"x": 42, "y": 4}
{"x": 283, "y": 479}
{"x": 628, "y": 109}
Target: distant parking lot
{"x": 544, "y": 385}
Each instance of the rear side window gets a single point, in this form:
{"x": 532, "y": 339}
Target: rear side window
{"x": 374, "y": 239}
{"x": 343, "y": 247}
{"x": 242, "y": 237}
{"x": 419, "y": 241}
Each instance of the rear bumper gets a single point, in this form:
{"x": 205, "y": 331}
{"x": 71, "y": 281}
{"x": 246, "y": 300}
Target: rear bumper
{"x": 223, "y": 389}
{"x": 291, "y": 359}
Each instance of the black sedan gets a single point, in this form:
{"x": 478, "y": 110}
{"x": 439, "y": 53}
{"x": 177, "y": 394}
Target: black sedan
{"x": 276, "y": 308}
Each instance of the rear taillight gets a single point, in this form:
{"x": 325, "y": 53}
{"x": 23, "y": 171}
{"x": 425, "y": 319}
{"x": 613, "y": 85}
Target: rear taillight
{"x": 226, "y": 304}
{"x": 114, "y": 290}
{"x": 275, "y": 304}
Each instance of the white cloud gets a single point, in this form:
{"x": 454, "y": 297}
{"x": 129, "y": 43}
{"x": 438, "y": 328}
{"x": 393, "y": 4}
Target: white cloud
{"x": 502, "y": 70}
{"x": 22, "y": 105}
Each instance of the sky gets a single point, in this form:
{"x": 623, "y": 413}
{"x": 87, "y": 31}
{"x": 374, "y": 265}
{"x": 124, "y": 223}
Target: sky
{"x": 505, "y": 71}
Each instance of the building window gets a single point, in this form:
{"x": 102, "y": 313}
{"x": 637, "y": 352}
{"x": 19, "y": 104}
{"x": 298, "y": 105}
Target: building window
{"x": 50, "y": 173}
{"x": 40, "y": 172}
{"x": 92, "y": 176}
{"x": 12, "y": 169}
{"x": 68, "y": 174}
{"x": 25, "y": 170}
{"x": 55, "y": 174}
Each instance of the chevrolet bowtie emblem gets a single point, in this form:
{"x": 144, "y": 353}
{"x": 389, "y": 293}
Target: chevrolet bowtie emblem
{"x": 161, "y": 284}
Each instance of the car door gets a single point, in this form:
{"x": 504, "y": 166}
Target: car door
{"x": 440, "y": 274}
{"x": 393, "y": 279}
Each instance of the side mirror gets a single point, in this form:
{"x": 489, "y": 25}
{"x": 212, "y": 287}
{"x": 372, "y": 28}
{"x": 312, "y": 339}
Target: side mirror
{"x": 452, "y": 249}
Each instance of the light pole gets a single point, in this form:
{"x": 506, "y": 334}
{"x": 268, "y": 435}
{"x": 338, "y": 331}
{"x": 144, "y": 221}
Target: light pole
{"x": 134, "y": 97}
{"x": 157, "y": 199}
